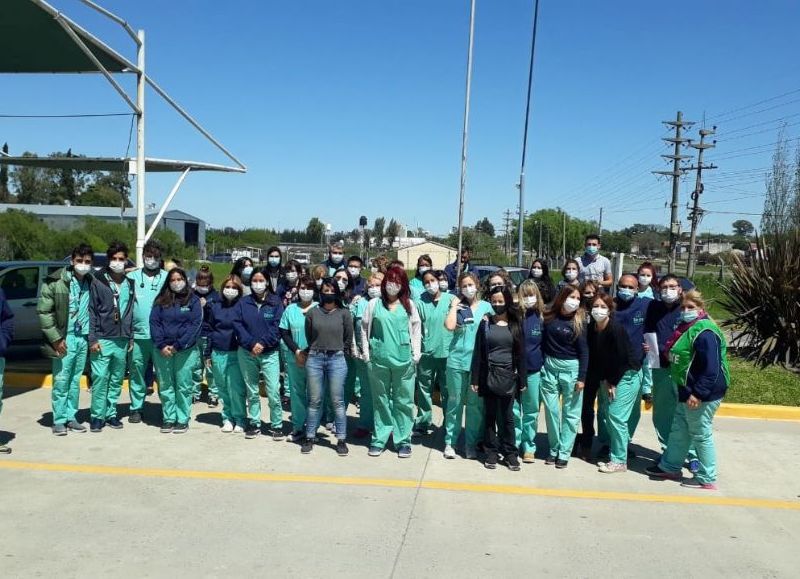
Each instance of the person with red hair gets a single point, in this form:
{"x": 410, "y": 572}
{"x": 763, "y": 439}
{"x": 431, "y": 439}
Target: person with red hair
{"x": 391, "y": 338}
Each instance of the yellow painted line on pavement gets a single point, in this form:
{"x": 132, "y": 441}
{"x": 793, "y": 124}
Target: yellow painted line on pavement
{"x": 695, "y": 499}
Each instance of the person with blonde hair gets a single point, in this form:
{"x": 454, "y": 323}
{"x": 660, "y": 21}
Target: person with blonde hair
{"x": 526, "y": 410}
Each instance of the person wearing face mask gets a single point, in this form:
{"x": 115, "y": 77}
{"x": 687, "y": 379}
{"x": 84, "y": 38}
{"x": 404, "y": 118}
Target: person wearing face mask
{"x": 498, "y": 278}
{"x": 462, "y": 319}
{"x": 63, "y": 311}
{"x": 175, "y": 325}
{"x": 499, "y": 376}
{"x": 444, "y": 284}
{"x": 416, "y": 285}
{"x": 204, "y": 290}
{"x": 453, "y": 272}
{"x": 391, "y": 338}
{"x": 243, "y": 269}
{"x": 273, "y": 270}
{"x": 699, "y": 366}
{"x": 354, "y": 267}
{"x": 294, "y": 344}
{"x": 617, "y": 363}
{"x": 352, "y": 386}
{"x": 222, "y": 348}
{"x": 257, "y": 329}
{"x": 594, "y": 266}
{"x": 433, "y": 307}
{"x": 147, "y": 283}
{"x": 6, "y": 337}
{"x": 526, "y": 410}
{"x": 319, "y": 273}
{"x": 335, "y": 260}
{"x": 111, "y": 299}
{"x": 540, "y": 274}
{"x": 648, "y": 280}
{"x": 365, "y": 425}
{"x": 291, "y": 282}
{"x": 566, "y": 359}
{"x": 588, "y": 291}
{"x": 570, "y": 275}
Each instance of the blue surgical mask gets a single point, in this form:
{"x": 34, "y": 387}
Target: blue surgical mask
{"x": 689, "y": 316}
{"x": 592, "y": 249}
{"x": 274, "y": 261}
{"x": 626, "y": 294}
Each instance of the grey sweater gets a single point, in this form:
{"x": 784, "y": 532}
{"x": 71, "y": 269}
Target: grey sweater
{"x": 329, "y": 330}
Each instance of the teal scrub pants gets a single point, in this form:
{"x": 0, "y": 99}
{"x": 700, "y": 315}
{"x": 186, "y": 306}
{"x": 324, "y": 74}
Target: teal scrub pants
{"x": 230, "y": 385}
{"x": 526, "y": 414}
{"x": 175, "y": 384}
{"x": 618, "y": 414}
{"x": 298, "y": 397}
{"x": 559, "y": 378}
{"x": 108, "y": 372}
{"x": 602, "y": 416}
{"x": 393, "y": 403}
{"x": 430, "y": 370}
{"x": 665, "y": 403}
{"x": 647, "y": 377}
{"x": 366, "y": 407}
{"x": 287, "y": 359}
{"x": 267, "y": 364}
{"x": 351, "y": 384}
{"x": 692, "y": 428}
{"x": 141, "y": 356}
{"x": 459, "y": 396}
{"x": 67, "y": 373}
{"x": 202, "y": 372}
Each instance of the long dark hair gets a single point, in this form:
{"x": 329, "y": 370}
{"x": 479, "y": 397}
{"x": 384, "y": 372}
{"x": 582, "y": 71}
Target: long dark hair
{"x": 166, "y": 298}
{"x": 348, "y": 289}
{"x": 238, "y": 266}
{"x": 331, "y": 283}
{"x": 397, "y": 275}
{"x": 512, "y": 314}
{"x": 278, "y": 267}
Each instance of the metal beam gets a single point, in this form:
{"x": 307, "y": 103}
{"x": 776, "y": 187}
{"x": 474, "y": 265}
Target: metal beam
{"x": 115, "y": 18}
{"x": 164, "y": 207}
{"x": 141, "y": 167}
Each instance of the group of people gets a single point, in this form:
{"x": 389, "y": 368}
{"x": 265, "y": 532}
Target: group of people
{"x": 333, "y": 335}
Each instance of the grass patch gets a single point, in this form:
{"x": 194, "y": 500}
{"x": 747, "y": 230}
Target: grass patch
{"x": 710, "y": 287}
{"x": 772, "y": 385}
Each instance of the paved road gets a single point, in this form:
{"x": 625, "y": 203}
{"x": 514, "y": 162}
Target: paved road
{"x": 138, "y": 503}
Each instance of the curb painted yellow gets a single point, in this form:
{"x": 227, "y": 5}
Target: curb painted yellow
{"x": 694, "y": 499}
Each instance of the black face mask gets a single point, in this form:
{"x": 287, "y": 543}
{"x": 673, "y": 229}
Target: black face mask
{"x": 327, "y": 299}
{"x": 500, "y": 310}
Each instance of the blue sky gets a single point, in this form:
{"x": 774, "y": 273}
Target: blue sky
{"x": 354, "y": 107}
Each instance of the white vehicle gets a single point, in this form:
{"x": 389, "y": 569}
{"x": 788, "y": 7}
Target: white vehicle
{"x": 302, "y": 258}
{"x": 253, "y": 253}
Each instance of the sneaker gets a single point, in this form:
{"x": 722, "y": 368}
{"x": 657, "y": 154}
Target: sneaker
{"x": 375, "y": 451}
{"x": 655, "y": 471}
{"x": 512, "y": 462}
{"x": 449, "y": 452}
{"x": 296, "y": 436}
{"x": 277, "y": 435}
{"x": 341, "y": 448}
{"x": 561, "y": 463}
{"x": 75, "y": 426}
{"x": 114, "y": 423}
{"x": 96, "y": 425}
{"x": 471, "y": 453}
{"x": 404, "y": 451}
{"x": 238, "y": 429}
{"x": 180, "y": 429}
{"x": 421, "y": 430}
{"x": 612, "y": 467}
{"x": 694, "y": 465}
{"x": 361, "y": 433}
{"x": 693, "y": 483}
{"x": 251, "y": 432}
{"x": 491, "y": 461}
{"x": 60, "y": 429}
{"x": 5, "y": 449}
{"x": 307, "y": 446}
{"x": 550, "y": 460}
{"x": 227, "y": 426}
{"x": 528, "y": 458}
{"x": 135, "y": 417}
{"x": 167, "y": 428}
{"x": 213, "y": 401}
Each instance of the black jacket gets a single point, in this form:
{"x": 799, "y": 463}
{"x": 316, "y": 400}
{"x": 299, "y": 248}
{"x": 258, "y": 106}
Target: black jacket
{"x": 106, "y": 320}
{"x": 480, "y": 361}
{"x": 610, "y": 353}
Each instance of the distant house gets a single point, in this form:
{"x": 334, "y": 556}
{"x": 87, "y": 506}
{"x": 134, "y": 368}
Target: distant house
{"x": 191, "y": 229}
{"x": 441, "y": 254}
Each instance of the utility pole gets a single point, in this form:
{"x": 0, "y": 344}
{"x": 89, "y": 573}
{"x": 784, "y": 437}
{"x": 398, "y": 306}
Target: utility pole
{"x": 676, "y": 173}
{"x": 600, "y": 224}
{"x": 507, "y": 226}
{"x": 564, "y": 235}
{"x": 539, "y": 254}
{"x": 696, "y": 213}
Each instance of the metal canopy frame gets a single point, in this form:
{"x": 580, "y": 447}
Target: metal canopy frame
{"x": 94, "y": 49}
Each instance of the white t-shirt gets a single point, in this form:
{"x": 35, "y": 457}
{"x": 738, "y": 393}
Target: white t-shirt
{"x": 594, "y": 268}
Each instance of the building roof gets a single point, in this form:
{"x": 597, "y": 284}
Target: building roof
{"x": 90, "y": 211}
{"x": 436, "y": 243}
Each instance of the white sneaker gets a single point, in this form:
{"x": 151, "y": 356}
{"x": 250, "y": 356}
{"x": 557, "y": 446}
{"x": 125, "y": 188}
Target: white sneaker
{"x": 449, "y": 452}
{"x": 612, "y": 467}
{"x": 238, "y": 429}
{"x": 472, "y": 454}
{"x": 227, "y": 426}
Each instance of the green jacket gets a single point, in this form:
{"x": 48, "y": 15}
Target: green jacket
{"x": 682, "y": 353}
{"x": 53, "y": 308}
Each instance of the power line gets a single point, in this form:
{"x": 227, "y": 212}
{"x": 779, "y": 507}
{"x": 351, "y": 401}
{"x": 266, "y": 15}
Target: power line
{"x": 67, "y": 116}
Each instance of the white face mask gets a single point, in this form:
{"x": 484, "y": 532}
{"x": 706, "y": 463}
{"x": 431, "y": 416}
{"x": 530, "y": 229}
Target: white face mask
{"x": 433, "y": 288}
{"x": 644, "y": 280}
{"x": 318, "y": 282}
{"x": 392, "y": 289}
{"x": 150, "y": 263}
{"x": 529, "y": 301}
{"x": 354, "y": 271}
{"x": 247, "y": 272}
{"x": 599, "y": 314}
{"x": 337, "y": 257}
{"x": 374, "y": 292}
{"x": 230, "y": 293}
{"x": 570, "y": 275}
{"x": 444, "y": 286}
{"x": 117, "y": 266}
{"x": 422, "y": 269}
{"x": 342, "y": 284}
{"x": 258, "y": 287}
{"x": 306, "y": 295}
{"x": 202, "y": 289}
{"x": 82, "y": 268}
{"x": 177, "y": 286}
{"x": 669, "y": 295}
{"x": 536, "y": 272}
{"x": 469, "y": 291}
{"x": 571, "y": 304}
{"x": 291, "y": 276}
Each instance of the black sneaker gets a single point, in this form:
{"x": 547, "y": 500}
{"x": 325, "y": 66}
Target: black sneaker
{"x": 96, "y": 425}
{"x": 491, "y": 461}
{"x": 213, "y": 401}
{"x": 307, "y": 445}
{"x": 561, "y": 463}
{"x": 341, "y": 448}
{"x": 277, "y": 435}
{"x": 404, "y": 451}
{"x": 114, "y": 423}
{"x": 180, "y": 429}
{"x": 550, "y": 460}
{"x": 135, "y": 417}
{"x": 252, "y": 432}
{"x": 375, "y": 451}
{"x": 512, "y": 462}
{"x": 167, "y": 428}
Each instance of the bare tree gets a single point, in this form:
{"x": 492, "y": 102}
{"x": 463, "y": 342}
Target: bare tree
{"x": 778, "y": 203}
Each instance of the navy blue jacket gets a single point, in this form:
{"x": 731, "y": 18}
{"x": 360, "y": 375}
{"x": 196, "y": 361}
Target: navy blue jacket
{"x": 211, "y": 298}
{"x": 559, "y": 341}
{"x": 631, "y": 316}
{"x": 532, "y": 329}
{"x": 6, "y": 324}
{"x": 221, "y": 334}
{"x": 359, "y": 286}
{"x": 259, "y": 325}
{"x": 450, "y": 272}
{"x": 177, "y": 326}
{"x": 662, "y": 319}
{"x": 705, "y": 379}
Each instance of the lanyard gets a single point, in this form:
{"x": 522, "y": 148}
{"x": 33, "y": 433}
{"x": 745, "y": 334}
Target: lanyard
{"x": 75, "y": 300}
{"x": 115, "y": 292}
{"x": 155, "y": 281}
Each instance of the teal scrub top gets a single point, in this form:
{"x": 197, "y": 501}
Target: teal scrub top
{"x": 390, "y": 342}
{"x": 78, "y": 324}
{"x": 357, "y": 310}
{"x": 122, "y": 293}
{"x": 145, "y": 289}
{"x": 417, "y": 288}
{"x": 647, "y": 293}
{"x": 463, "y": 341}
{"x": 294, "y": 320}
{"x": 435, "y": 337}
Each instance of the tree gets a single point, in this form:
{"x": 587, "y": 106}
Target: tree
{"x": 392, "y": 231}
{"x": 378, "y": 232}
{"x": 485, "y": 226}
{"x": 31, "y": 184}
{"x": 742, "y": 228}
{"x": 776, "y": 219}
{"x": 5, "y": 192}
{"x": 315, "y": 230}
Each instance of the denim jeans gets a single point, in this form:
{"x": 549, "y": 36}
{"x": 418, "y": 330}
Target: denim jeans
{"x": 326, "y": 370}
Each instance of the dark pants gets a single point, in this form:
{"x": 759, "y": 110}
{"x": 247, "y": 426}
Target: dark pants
{"x": 590, "y": 390}
{"x": 499, "y": 436}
